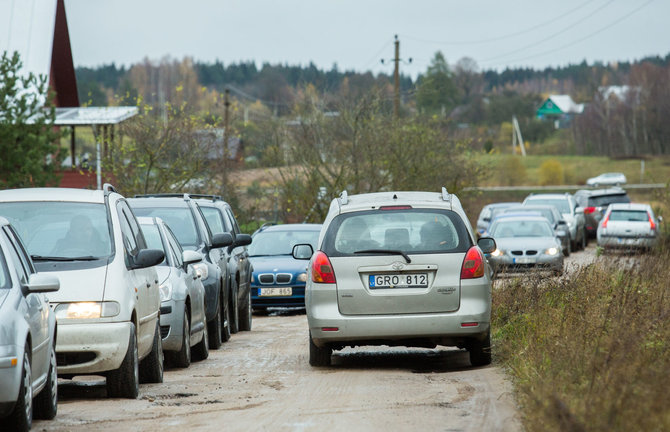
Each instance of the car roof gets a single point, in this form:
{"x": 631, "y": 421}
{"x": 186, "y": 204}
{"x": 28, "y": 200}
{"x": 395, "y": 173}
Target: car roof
{"x": 604, "y": 191}
{"x": 53, "y": 194}
{"x": 502, "y": 204}
{"x": 375, "y": 200}
{"x": 291, "y": 227}
{"x": 540, "y": 207}
{"x": 548, "y": 195}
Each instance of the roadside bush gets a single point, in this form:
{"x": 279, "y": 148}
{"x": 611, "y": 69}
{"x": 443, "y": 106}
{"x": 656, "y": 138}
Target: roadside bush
{"x": 551, "y": 173}
{"x": 590, "y": 351}
{"x": 511, "y": 171}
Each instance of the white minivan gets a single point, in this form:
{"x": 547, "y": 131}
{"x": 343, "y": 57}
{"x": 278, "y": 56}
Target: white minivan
{"x": 108, "y": 303}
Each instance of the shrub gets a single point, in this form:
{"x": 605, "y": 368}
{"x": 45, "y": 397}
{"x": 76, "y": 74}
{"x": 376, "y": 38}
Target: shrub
{"x": 551, "y": 173}
{"x": 511, "y": 171}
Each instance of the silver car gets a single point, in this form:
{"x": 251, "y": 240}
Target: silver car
{"x": 28, "y": 380}
{"x": 628, "y": 226}
{"x": 182, "y": 295}
{"x": 607, "y": 179}
{"x": 571, "y": 212}
{"x": 397, "y": 268}
{"x": 525, "y": 243}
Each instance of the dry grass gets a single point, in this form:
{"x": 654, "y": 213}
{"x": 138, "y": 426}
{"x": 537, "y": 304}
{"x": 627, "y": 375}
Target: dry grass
{"x": 590, "y": 351}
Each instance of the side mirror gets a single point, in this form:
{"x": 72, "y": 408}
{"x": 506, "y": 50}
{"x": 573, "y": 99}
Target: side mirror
{"x": 190, "y": 257}
{"x": 302, "y": 251}
{"x": 222, "y": 240}
{"x": 561, "y": 233}
{"x": 242, "y": 240}
{"x": 659, "y": 219}
{"x": 579, "y": 210}
{"x": 562, "y": 222}
{"x": 148, "y": 258}
{"x": 39, "y": 283}
{"x": 486, "y": 244}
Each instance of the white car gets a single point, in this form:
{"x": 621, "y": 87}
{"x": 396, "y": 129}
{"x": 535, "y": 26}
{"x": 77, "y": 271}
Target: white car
{"x": 607, "y": 179}
{"x": 108, "y": 303}
{"x": 398, "y": 269}
{"x": 628, "y": 226}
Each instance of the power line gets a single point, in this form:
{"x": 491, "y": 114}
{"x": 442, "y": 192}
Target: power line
{"x": 600, "y": 30}
{"x": 376, "y": 56}
{"x": 502, "y": 37}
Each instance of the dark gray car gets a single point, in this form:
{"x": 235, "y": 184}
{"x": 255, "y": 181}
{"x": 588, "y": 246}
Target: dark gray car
{"x": 595, "y": 202}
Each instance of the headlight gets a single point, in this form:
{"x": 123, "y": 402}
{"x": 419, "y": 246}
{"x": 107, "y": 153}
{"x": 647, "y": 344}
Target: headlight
{"x": 551, "y": 251}
{"x": 165, "y": 290}
{"x": 497, "y": 253}
{"x": 201, "y": 270}
{"x": 302, "y": 277}
{"x": 87, "y": 310}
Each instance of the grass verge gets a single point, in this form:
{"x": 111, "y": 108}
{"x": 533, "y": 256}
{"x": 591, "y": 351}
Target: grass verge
{"x": 590, "y": 351}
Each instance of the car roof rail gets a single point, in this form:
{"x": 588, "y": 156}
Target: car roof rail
{"x": 163, "y": 195}
{"x": 265, "y": 225}
{"x": 344, "y": 198}
{"x": 206, "y": 196}
{"x": 108, "y": 188}
{"x": 446, "y": 196}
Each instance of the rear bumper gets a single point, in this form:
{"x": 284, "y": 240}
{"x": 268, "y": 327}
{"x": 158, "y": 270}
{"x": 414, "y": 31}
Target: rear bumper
{"x": 172, "y": 324}
{"x": 608, "y": 241}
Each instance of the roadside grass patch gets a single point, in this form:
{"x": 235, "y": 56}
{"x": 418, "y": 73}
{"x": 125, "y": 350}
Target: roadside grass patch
{"x": 589, "y": 351}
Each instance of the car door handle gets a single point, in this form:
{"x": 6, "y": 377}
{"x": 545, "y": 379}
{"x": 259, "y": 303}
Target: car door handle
{"x": 148, "y": 285}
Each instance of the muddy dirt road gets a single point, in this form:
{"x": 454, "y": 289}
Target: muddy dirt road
{"x": 261, "y": 380}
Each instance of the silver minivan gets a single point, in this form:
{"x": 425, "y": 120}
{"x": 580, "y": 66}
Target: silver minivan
{"x": 398, "y": 268}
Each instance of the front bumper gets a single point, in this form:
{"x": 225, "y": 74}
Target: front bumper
{"x": 10, "y": 376}
{"x": 296, "y": 299}
{"x": 172, "y": 324}
{"x": 91, "y": 348}
{"x": 553, "y": 262}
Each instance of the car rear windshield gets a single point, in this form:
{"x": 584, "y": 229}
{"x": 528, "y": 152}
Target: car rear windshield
{"x": 605, "y": 200}
{"x": 561, "y": 204}
{"x": 179, "y": 219}
{"x": 61, "y": 229}
{"x": 270, "y": 243}
{"x": 629, "y": 215}
{"x": 407, "y": 230}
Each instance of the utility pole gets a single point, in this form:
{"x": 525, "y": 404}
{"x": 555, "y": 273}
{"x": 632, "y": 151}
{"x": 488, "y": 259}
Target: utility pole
{"x": 226, "y": 128}
{"x": 396, "y": 79}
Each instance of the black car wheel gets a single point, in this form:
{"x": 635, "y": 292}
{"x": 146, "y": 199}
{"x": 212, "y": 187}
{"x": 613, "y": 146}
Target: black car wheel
{"x": 480, "y": 350}
{"x": 201, "y": 349}
{"x": 245, "y": 313}
{"x": 215, "y": 329}
{"x": 225, "y": 330}
{"x": 318, "y": 356}
{"x": 21, "y": 418}
{"x": 151, "y": 368}
{"x": 125, "y": 381}
{"x": 234, "y": 309}
{"x": 46, "y": 403}
{"x": 182, "y": 358}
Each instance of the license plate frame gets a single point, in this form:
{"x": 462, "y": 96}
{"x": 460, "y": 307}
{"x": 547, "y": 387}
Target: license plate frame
{"x": 525, "y": 260}
{"x": 275, "y": 292}
{"x": 401, "y": 280}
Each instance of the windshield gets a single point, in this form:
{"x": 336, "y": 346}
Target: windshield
{"x": 281, "y": 242}
{"x": 153, "y": 238}
{"x": 59, "y": 229}
{"x": 629, "y": 215}
{"x": 605, "y": 200}
{"x": 522, "y": 228}
{"x": 179, "y": 219}
{"x": 561, "y": 204}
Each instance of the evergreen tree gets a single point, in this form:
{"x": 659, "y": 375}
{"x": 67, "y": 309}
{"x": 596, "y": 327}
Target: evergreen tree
{"x": 437, "y": 92}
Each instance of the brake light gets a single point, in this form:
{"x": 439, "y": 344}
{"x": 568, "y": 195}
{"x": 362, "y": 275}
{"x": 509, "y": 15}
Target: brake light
{"x": 322, "y": 270}
{"x": 589, "y": 210}
{"x": 400, "y": 207}
{"x": 604, "y": 223}
{"x": 651, "y": 222}
{"x": 473, "y": 264}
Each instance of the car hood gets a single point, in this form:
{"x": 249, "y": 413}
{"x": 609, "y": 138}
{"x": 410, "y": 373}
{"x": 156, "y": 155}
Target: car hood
{"x": 526, "y": 243}
{"x": 278, "y": 263}
{"x": 80, "y": 285}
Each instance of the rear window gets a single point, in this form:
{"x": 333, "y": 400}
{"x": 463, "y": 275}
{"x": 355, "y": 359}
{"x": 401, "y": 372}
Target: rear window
{"x": 629, "y": 215}
{"x": 407, "y": 230}
{"x": 605, "y": 200}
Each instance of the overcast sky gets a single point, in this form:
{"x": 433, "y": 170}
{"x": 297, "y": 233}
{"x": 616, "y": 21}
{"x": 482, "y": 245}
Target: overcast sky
{"x": 357, "y": 34}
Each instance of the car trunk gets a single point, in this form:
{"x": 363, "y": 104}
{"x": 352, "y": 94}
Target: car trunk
{"x": 433, "y": 284}
{"x": 629, "y": 229}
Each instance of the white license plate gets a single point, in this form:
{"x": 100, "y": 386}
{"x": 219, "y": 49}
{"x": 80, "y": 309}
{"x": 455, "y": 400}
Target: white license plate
{"x": 275, "y": 292}
{"x": 524, "y": 260}
{"x": 410, "y": 280}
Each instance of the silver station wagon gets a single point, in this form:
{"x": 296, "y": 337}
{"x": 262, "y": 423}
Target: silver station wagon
{"x": 398, "y": 269}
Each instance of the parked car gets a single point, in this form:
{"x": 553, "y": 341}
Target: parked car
{"x": 187, "y": 222}
{"x": 220, "y": 219}
{"x": 595, "y": 202}
{"x": 108, "y": 303}
{"x": 279, "y": 279}
{"x": 398, "y": 268}
{"x": 557, "y": 222}
{"x": 525, "y": 243}
{"x": 182, "y": 319}
{"x": 607, "y": 179}
{"x": 571, "y": 213}
{"x": 28, "y": 376}
{"x": 485, "y": 216}
{"x": 629, "y": 226}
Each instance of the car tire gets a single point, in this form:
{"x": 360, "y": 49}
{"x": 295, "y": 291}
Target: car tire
{"x": 480, "y": 350}
{"x": 201, "y": 349}
{"x": 567, "y": 250}
{"x": 245, "y": 313}
{"x": 318, "y": 357}
{"x": 151, "y": 368}
{"x": 585, "y": 240}
{"x": 46, "y": 402}
{"x": 215, "y": 329}
{"x": 124, "y": 382}
{"x": 182, "y": 358}
{"x": 21, "y": 417}
{"x": 234, "y": 309}
{"x": 225, "y": 328}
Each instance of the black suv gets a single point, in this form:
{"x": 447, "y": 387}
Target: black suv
{"x": 595, "y": 202}
{"x": 187, "y": 222}
{"x": 220, "y": 219}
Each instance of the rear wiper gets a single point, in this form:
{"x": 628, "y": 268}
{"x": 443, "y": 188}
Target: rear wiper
{"x": 386, "y": 251}
{"x": 64, "y": 259}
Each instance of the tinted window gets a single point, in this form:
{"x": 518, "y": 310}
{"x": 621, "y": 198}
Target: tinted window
{"x": 281, "y": 242}
{"x": 153, "y": 239}
{"x": 179, "y": 219}
{"x": 61, "y": 229}
{"x": 20, "y": 249}
{"x": 21, "y": 271}
{"x": 605, "y": 200}
{"x": 629, "y": 215}
{"x": 214, "y": 219}
{"x": 175, "y": 246}
{"x": 411, "y": 230}
{"x": 232, "y": 219}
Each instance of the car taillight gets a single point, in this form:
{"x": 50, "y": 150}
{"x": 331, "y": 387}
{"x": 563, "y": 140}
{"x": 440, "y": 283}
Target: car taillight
{"x": 396, "y": 207}
{"x": 604, "y": 223}
{"x": 473, "y": 264}
{"x": 589, "y": 210}
{"x": 322, "y": 270}
{"x": 651, "y": 223}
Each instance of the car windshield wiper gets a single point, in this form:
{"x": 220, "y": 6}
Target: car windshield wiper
{"x": 65, "y": 259}
{"x": 386, "y": 251}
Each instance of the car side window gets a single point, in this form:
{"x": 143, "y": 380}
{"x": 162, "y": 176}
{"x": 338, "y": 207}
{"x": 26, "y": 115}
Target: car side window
{"x": 175, "y": 246}
{"x": 21, "y": 271}
{"x": 20, "y": 249}
{"x": 129, "y": 239}
{"x": 214, "y": 219}
{"x": 233, "y": 221}
{"x": 200, "y": 219}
